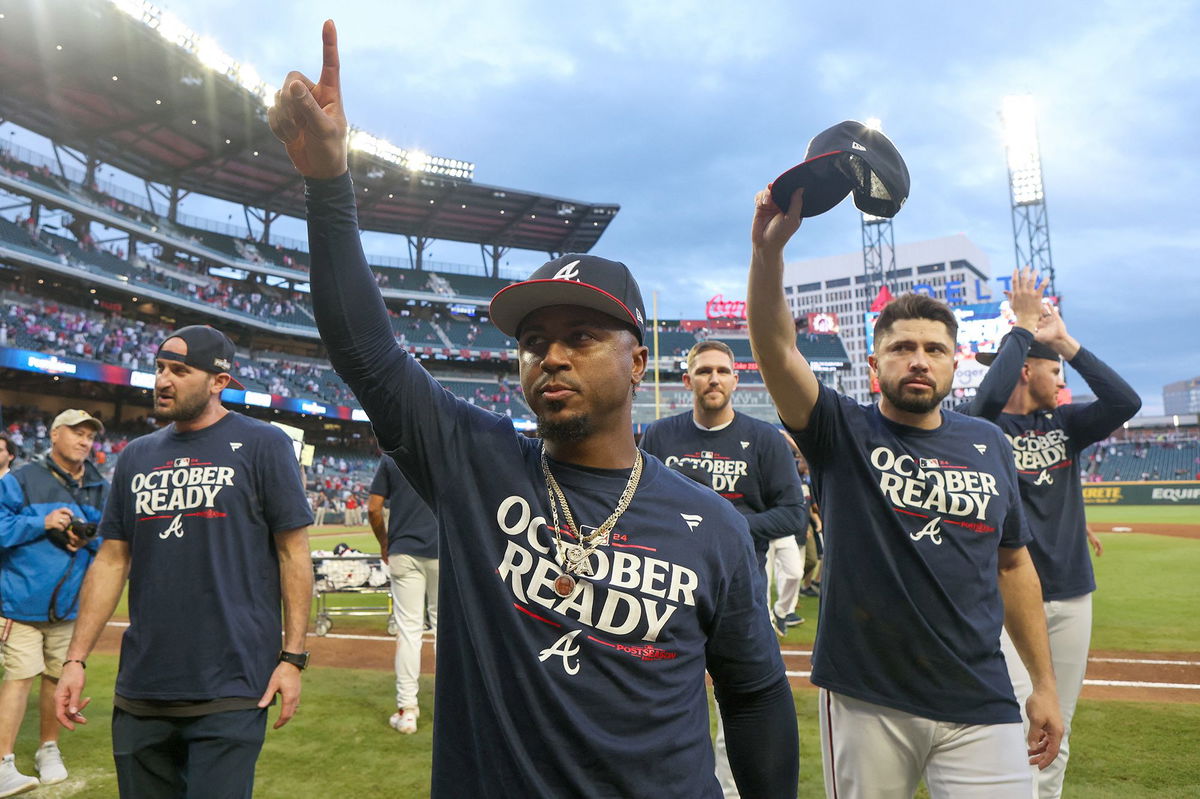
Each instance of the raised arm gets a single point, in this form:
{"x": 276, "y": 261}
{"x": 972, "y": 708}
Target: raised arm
{"x": 403, "y": 402}
{"x": 1002, "y": 376}
{"x": 1116, "y": 402}
{"x": 789, "y": 378}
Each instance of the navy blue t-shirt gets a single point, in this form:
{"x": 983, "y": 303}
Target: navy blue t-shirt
{"x": 750, "y": 464}
{"x": 911, "y": 611}
{"x": 601, "y": 693}
{"x": 198, "y": 510}
{"x": 1046, "y": 446}
{"x": 412, "y": 528}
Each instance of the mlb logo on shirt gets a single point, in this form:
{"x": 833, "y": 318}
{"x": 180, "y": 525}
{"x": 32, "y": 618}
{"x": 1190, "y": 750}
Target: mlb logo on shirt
{"x": 930, "y": 463}
{"x": 706, "y": 454}
{"x": 182, "y": 462}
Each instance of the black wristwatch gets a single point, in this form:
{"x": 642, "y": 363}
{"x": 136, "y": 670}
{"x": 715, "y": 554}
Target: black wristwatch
{"x": 297, "y": 659}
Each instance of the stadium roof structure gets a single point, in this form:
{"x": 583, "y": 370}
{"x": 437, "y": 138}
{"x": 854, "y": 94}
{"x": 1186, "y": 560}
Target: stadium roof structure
{"x": 123, "y": 83}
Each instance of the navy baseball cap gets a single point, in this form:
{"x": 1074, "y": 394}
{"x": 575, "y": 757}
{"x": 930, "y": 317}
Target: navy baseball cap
{"x": 849, "y": 157}
{"x": 573, "y": 279}
{"x": 208, "y": 349}
{"x": 1036, "y": 350}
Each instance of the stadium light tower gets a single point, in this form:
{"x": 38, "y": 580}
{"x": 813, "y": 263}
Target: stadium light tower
{"x": 879, "y": 247}
{"x": 1031, "y": 226}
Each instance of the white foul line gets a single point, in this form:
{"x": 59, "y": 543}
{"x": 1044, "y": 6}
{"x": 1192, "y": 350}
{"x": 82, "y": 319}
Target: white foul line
{"x": 1147, "y": 662}
{"x": 1134, "y": 684}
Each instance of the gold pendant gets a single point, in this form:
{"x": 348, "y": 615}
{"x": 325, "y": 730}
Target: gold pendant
{"x": 564, "y": 585}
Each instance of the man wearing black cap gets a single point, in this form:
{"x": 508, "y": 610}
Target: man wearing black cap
{"x": 208, "y": 519}
{"x": 1020, "y": 394}
{"x": 585, "y": 588}
{"x": 926, "y": 557}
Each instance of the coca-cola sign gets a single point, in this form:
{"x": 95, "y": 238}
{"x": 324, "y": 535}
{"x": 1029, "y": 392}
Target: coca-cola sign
{"x": 720, "y": 308}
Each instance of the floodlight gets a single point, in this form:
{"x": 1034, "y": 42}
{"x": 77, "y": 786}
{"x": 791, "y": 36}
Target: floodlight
{"x": 1021, "y": 145}
{"x": 417, "y": 161}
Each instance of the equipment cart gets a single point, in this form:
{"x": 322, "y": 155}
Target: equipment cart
{"x": 350, "y": 574}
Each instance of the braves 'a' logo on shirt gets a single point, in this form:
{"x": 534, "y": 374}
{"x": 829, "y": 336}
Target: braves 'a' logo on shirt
{"x": 1038, "y": 450}
{"x": 950, "y": 494}
{"x": 725, "y": 471}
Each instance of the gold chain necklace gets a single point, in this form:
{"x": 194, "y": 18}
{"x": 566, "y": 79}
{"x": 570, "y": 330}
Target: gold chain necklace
{"x": 574, "y": 556}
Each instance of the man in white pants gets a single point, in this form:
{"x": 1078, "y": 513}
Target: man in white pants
{"x": 785, "y": 559}
{"x": 925, "y": 561}
{"x": 409, "y": 548}
{"x": 1020, "y": 394}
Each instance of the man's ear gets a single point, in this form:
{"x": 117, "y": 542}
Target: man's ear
{"x": 641, "y": 359}
{"x": 219, "y": 383}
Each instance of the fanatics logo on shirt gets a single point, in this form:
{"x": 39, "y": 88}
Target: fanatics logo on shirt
{"x": 981, "y": 447}
{"x": 235, "y": 445}
{"x": 692, "y": 521}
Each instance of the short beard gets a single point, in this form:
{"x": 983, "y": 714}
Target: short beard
{"x": 910, "y": 403}
{"x": 565, "y": 431}
{"x": 185, "y": 410}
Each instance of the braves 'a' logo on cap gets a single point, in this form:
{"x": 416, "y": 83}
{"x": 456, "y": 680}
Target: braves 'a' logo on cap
{"x": 568, "y": 272}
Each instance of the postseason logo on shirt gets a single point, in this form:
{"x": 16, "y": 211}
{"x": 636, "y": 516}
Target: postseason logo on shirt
{"x": 183, "y": 484}
{"x": 929, "y": 485}
{"x": 1035, "y": 450}
{"x": 625, "y": 594}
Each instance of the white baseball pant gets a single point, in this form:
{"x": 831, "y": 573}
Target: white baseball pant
{"x": 414, "y": 582}
{"x": 788, "y": 560}
{"x": 875, "y": 752}
{"x": 1069, "y": 622}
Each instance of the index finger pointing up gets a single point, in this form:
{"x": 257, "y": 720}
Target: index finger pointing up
{"x": 330, "y": 64}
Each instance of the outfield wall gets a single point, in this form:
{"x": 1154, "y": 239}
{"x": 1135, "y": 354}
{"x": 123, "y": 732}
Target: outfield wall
{"x": 1165, "y": 492}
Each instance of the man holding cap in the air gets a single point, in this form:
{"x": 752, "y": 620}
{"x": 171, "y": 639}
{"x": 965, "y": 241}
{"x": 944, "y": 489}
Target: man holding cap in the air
{"x": 585, "y": 588}
{"x": 208, "y": 519}
{"x": 48, "y": 514}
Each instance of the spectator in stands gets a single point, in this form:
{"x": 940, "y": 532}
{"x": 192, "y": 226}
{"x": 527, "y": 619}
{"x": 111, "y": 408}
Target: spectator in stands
{"x": 408, "y": 545}
{"x": 49, "y": 509}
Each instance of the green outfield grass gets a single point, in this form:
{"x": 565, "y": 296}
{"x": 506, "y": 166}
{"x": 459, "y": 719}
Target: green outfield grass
{"x": 339, "y": 744}
{"x": 1147, "y": 593}
{"x": 1145, "y": 514}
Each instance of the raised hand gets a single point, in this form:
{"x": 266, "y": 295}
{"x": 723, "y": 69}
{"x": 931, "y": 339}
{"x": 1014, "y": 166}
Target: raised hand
{"x": 772, "y": 228}
{"x": 1026, "y": 297}
{"x": 308, "y": 117}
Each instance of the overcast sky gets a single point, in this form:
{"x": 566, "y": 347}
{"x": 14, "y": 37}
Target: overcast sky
{"x": 680, "y": 111}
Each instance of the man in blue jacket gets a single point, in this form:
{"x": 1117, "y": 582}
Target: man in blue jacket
{"x": 48, "y": 514}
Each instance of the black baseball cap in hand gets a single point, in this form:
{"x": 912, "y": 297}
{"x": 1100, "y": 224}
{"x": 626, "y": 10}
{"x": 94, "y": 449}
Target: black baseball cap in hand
{"x": 573, "y": 279}
{"x": 847, "y": 158}
{"x": 208, "y": 349}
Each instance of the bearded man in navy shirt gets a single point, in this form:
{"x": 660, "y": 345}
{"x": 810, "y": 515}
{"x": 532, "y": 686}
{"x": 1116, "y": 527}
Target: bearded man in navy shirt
{"x": 926, "y": 558}
{"x": 585, "y": 589}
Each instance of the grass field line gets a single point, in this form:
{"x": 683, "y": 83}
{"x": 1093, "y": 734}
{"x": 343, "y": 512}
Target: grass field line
{"x": 1146, "y": 662}
{"x": 1136, "y": 684}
